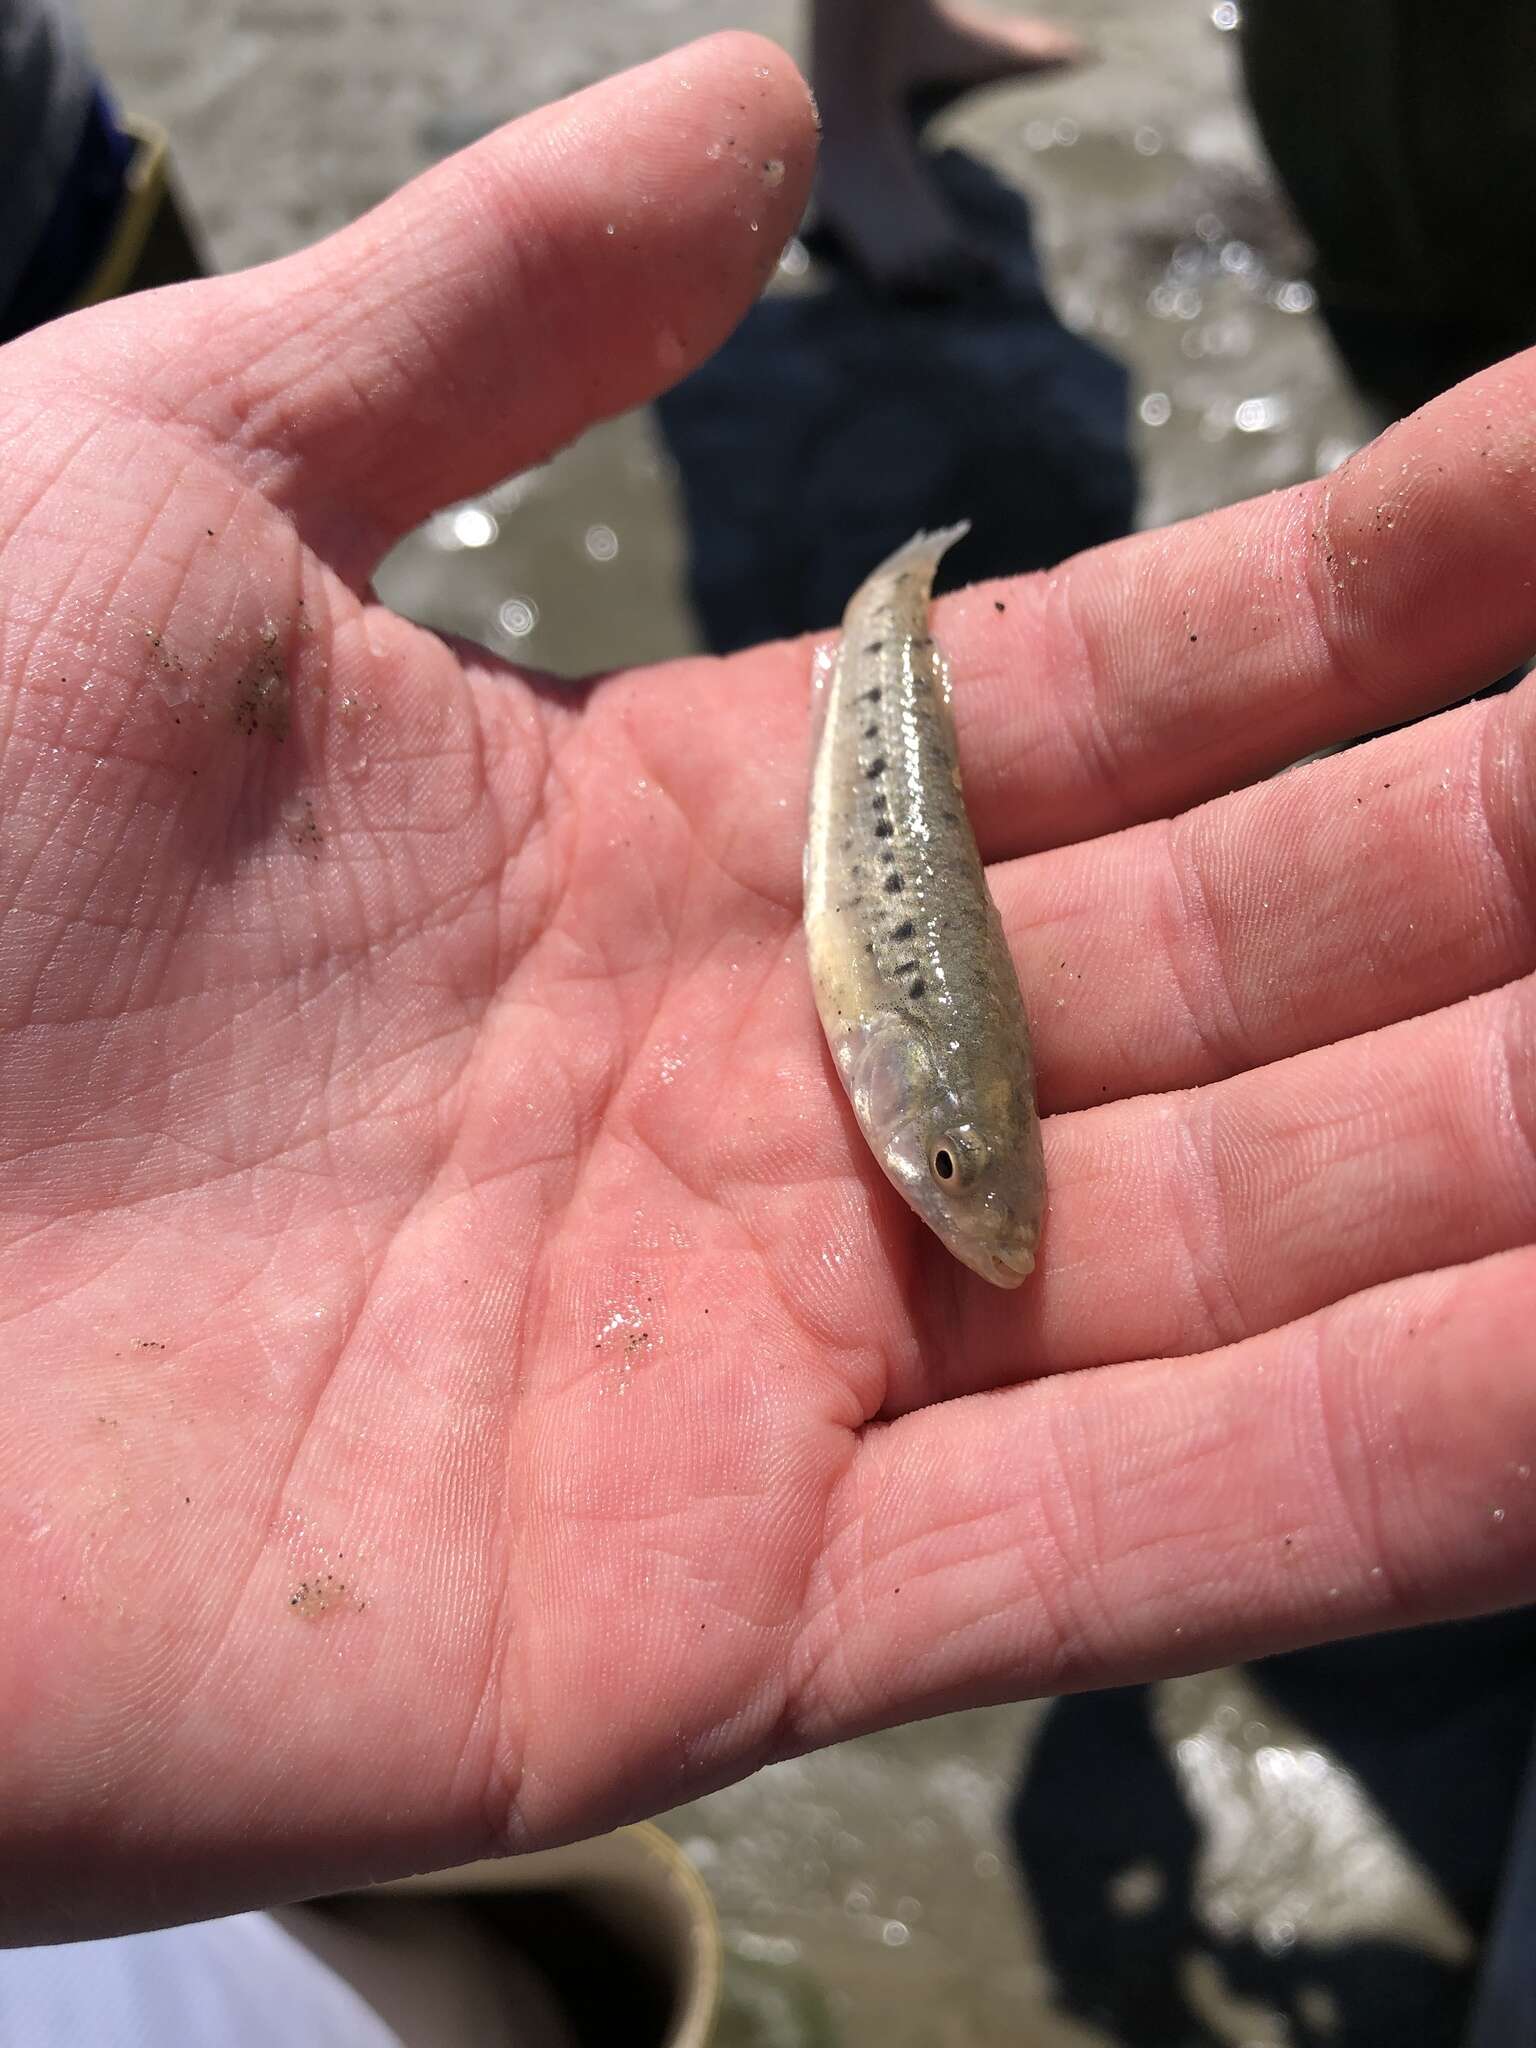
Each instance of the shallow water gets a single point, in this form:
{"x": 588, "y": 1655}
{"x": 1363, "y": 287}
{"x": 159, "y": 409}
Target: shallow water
{"x": 1161, "y": 236}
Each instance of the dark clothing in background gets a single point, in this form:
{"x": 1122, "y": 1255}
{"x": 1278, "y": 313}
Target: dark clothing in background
{"x": 87, "y": 207}
{"x": 835, "y": 423}
{"x": 1433, "y": 1724}
{"x": 1404, "y": 132}
{"x": 47, "y": 86}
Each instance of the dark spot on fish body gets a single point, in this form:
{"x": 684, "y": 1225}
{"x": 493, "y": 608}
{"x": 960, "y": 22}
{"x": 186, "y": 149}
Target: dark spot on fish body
{"x": 893, "y": 882}
{"x": 998, "y": 605}
{"x": 876, "y": 768}
{"x": 871, "y": 732}
{"x": 874, "y": 647}
{"x": 883, "y": 828}
{"x": 888, "y": 854}
{"x": 918, "y": 989}
{"x": 880, "y": 800}
{"x": 904, "y": 930}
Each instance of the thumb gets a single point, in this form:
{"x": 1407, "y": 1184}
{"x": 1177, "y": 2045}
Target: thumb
{"x": 564, "y": 269}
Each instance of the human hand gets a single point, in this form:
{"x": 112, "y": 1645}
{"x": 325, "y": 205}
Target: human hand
{"x": 467, "y": 1382}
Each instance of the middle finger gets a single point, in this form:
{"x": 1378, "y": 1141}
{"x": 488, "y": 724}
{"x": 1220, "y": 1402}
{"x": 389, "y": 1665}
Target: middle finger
{"x": 1341, "y": 897}
{"x": 1159, "y": 670}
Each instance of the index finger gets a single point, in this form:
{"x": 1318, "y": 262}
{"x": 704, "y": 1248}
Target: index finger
{"x": 1161, "y": 670}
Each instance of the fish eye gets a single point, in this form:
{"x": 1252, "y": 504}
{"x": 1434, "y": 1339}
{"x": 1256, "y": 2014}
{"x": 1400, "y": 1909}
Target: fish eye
{"x": 956, "y": 1157}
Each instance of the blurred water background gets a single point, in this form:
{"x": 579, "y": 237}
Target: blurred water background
{"x": 1159, "y": 229}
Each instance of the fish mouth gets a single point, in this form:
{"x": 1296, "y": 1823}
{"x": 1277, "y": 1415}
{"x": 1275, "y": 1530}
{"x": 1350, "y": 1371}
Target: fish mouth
{"x": 1008, "y": 1266}
{"x": 1012, "y": 1267}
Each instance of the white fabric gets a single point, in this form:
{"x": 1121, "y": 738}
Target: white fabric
{"x": 237, "y": 1983}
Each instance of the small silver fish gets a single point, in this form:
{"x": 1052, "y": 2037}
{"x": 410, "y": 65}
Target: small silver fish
{"x": 913, "y": 980}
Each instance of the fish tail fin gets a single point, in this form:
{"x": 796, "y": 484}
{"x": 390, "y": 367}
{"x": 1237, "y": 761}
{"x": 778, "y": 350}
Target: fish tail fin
{"x": 929, "y": 547}
{"x": 920, "y": 555}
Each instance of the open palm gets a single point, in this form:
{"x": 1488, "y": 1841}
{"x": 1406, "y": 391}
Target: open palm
{"x": 466, "y": 1382}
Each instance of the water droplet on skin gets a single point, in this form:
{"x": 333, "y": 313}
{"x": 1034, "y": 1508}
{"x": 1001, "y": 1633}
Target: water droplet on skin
{"x": 1496, "y": 1515}
{"x": 773, "y": 173}
{"x": 759, "y": 70}
{"x": 352, "y": 749}
{"x": 895, "y": 1934}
